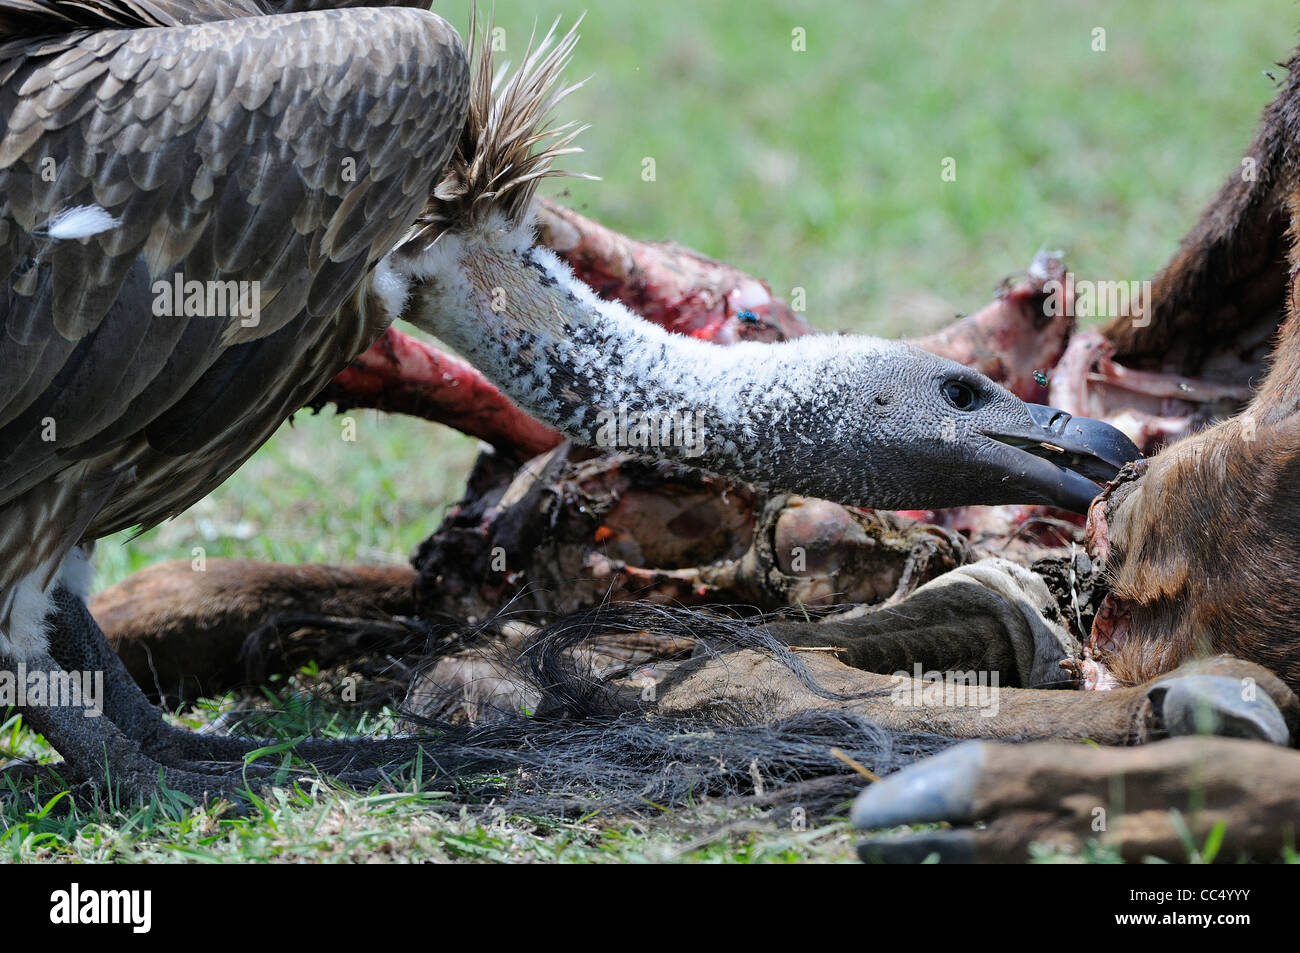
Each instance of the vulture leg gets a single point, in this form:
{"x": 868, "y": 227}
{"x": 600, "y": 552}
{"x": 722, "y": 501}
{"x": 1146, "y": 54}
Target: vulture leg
{"x": 78, "y": 645}
{"x": 94, "y": 748}
{"x": 139, "y": 739}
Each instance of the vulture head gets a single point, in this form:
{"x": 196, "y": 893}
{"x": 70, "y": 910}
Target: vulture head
{"x": 934, "y": 433}
{"x": 853, "y": 419}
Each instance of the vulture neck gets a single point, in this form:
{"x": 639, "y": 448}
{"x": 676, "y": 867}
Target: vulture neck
{"x": 773, "y": 414}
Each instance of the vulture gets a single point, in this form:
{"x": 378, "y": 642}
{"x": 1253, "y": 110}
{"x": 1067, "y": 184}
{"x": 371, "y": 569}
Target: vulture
{"x": 316, "y": 174}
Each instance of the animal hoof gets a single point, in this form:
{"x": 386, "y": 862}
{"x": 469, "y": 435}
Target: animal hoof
{"x": 941, "y": 788}
{"x": 1218, "y": 705}
{"x": 947, "y": 847}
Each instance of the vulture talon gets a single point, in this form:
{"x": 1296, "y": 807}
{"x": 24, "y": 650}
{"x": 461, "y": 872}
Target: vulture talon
{"x": 100, "y": 749}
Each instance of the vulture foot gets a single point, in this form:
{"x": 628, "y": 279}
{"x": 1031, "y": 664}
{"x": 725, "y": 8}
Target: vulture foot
{"x": 93, "y": 747}
{"x": 128, "y": 741}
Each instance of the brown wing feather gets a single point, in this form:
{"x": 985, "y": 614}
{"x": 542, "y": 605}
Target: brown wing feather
{"x": 292, "y": 151}
{"x": 31, "y": 17}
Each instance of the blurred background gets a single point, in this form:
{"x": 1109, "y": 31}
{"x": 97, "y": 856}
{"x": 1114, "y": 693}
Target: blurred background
{"x": 818, "y": 169}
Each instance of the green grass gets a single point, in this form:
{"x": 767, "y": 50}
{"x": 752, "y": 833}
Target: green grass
{"x": 315, "y": 820}
{"x": 817, "y": 169}
{"x": 322, "y": 825}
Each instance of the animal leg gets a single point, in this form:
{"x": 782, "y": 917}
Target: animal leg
{"x": 1159, "y": 800}
{"x": 992, "y": 616}
{"x": 1065, "y": 796}
{"x": 1125, "y": 716}
{"x": 181, "y": 633}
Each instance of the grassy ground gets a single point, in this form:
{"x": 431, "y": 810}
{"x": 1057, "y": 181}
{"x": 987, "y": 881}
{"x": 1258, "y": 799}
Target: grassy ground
{"x": 816, "y": 169}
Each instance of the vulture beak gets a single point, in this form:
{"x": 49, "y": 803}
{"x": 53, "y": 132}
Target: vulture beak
{"x": 1061, "y": 458}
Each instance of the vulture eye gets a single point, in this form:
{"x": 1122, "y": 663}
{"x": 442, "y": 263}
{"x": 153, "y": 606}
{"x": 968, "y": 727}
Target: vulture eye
{"x": 958, "y": 393}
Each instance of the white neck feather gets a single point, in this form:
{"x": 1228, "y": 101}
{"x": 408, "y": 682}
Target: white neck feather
{"x": 768, "y": 413}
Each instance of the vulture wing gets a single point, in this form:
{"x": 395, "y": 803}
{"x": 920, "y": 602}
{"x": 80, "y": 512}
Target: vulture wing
{"x": 285, "y": 154}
